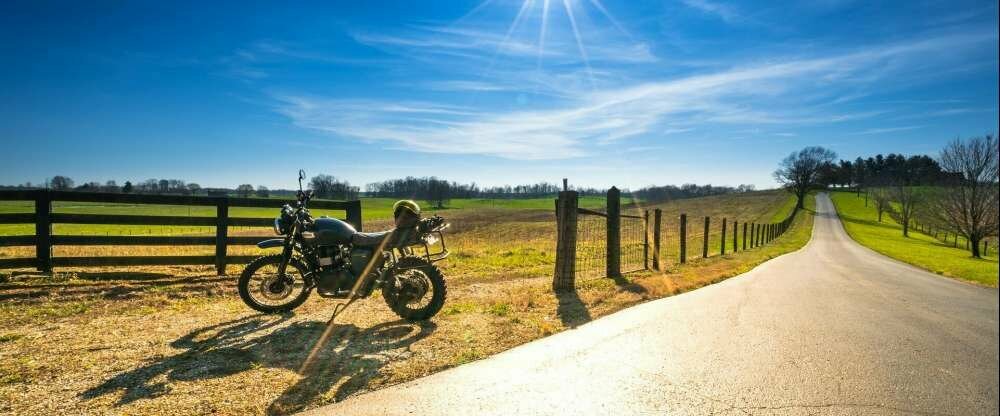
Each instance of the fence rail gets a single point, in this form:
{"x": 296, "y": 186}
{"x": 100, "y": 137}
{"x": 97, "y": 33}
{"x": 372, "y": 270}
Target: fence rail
{"x": 43, "y": 218}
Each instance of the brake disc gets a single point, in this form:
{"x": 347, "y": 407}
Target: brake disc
{"x": 268, "y": 286}
{"x": 414, "y": 287}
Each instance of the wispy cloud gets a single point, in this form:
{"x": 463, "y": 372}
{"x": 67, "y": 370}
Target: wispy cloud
{"x": 887, "y": 130}
{"x": 723, "y": 11}
{"x": 752, "y": 94}
{"x": 484, "y": 45}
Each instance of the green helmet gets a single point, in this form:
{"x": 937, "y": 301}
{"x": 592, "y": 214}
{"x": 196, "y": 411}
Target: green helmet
{"x": 407, "y": 205}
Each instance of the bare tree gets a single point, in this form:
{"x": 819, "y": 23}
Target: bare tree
{"x": 880, "y": 195}
{"x": 61, "y": 183}
{"x": 968, "y": 201}
{"x": 799, "y": 172}
{"x": 111, "y": 186}
{"x": 910, "y": 200}
{"x": 244, "y": 190}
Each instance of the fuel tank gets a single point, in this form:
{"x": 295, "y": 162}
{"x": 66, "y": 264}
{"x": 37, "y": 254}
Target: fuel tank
{"x": 330, "y": 231}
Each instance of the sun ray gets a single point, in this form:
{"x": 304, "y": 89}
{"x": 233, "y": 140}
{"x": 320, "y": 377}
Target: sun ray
{"x": 541, "y": 35}
{"x": 473, "y": 11}
{"x": 600, "y": 7}
{"x": 513, "y": 25}
{"x": 579, "y": 43}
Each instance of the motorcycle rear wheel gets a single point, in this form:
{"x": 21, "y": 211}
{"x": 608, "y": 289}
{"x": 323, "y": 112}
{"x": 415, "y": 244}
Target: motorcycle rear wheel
{"x": 258, "y": 285}
{"x": 421, "y": 277}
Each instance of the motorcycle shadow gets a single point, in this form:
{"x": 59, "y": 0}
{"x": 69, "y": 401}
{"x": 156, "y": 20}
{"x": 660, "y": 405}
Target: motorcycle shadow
{"x": 351, "y": 358}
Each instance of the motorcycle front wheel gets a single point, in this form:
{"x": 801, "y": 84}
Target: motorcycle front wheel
{"x": 417, "y": 290}
{"x": 264, "y": 290}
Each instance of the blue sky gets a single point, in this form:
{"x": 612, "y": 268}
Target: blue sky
{"x": 496, "y": 92}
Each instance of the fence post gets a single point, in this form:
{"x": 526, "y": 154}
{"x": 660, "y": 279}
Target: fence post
{"x": 744, "y": 236}
{"x": 565, "y": 272}
{"x": 614, "y": 233}
{"x": 657, "y": 214}
{"x": 354, "y": 214}
{"x": 986, "y": 248}
{"x": 704, "y": 244}
{"x": 43, "y": 231}
{"x": 645, "y": 239}
{"x": 221, "y": 233}
{"x": 735, "y": 233}
{"x": 759, "y": 233}
{"x": 684, "y": 233}
{"x": 722, "y": 245}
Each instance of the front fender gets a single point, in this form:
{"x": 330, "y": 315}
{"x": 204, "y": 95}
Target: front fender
{"x": 271, "y": 243}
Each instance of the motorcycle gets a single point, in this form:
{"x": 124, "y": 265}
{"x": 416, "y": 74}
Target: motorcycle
{"x": 329, "y": 255}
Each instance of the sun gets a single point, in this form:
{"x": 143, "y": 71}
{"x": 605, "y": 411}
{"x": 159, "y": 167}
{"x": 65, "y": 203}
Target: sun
{"x": 544, "y": 7}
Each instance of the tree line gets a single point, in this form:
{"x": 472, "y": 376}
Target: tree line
{"x": 956, "y": 192}
{"x": 688, "y": 190}
{"x": 879, "y": 169}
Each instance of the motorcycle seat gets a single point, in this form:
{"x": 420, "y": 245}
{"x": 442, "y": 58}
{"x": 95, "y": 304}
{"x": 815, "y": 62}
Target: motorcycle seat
{"x": 369, "y": 239}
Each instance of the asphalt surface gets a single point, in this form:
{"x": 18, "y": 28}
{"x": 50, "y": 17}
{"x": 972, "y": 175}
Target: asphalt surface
{"x": 833, "y": 328}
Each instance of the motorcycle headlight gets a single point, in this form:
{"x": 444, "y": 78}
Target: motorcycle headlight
{"x": 278, "y": 226}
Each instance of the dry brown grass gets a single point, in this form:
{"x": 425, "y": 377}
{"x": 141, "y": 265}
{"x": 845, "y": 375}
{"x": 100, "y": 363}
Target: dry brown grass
{"x": 179, "y": 341}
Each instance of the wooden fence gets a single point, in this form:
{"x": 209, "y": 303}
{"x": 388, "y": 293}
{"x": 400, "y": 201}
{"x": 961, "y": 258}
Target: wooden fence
{"x": 567, "y": 236}
{"x": 43, "y": 217}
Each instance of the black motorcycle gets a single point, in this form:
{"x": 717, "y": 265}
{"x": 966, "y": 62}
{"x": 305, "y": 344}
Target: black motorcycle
{"x": 328, "y": 255}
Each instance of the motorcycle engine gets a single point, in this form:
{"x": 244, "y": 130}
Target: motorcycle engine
{"x": 334, "y": 275}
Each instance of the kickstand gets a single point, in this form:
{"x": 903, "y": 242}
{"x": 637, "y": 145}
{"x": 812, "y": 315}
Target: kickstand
{"x": 338, "y": 308}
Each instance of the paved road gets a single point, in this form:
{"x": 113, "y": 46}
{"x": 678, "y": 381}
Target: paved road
{"x": 831, "y": 329}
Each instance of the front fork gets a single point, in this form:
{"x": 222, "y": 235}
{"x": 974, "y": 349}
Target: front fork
{"x": 286, "y": 252}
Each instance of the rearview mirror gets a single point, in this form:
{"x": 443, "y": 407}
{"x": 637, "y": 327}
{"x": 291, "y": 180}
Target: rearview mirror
{"x": 302, "y": 175}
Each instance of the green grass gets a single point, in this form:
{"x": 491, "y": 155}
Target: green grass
{"x": 782, "y": 211}
{"x": 918, "y": 249}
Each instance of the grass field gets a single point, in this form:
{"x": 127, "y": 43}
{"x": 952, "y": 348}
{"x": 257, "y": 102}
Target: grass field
{"x": 919, "y": 249}
{"x": 179, "y": 341}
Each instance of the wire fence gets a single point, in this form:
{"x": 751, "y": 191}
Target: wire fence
{"x": 612, "y": 243}
{"x": 634, "y": 247}
{"x": 591, "y": 246}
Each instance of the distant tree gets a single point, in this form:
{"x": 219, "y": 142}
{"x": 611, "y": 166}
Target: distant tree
{"x": 244, "y": 190}
{"x": 111, "y": 186}
{"x": 827, "y": 175}
{"x": 127, "y": 188}
{"x": 89, "y": 187}
{"x": 149, "y": 186}
{"x": 883, "y": 203}
{"x": 193, "y": 188}
{"x": 263, "y": 192}
{"x": 163, "y": 186}
{"x": 910, "y": 200}
{"x": 799, "y": 172}
{"x": 177, "y": 186}
{"x": 61, "y": 183}
{"x": 328, "y": 187}
{"x": 967, "y": 202}
{"x": 322, "y": 185}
